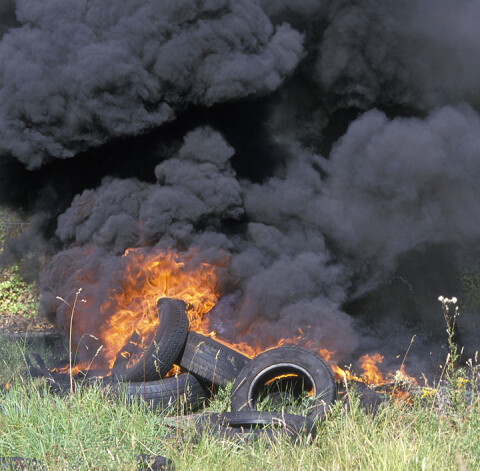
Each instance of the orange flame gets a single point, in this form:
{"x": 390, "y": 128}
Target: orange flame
{"x": 131, "y": 308}
{"x": 372, "y": 376}
{"x": 368, "y": 363}
{"x": 74, "y": 370}
{"x": 128, "y": 315}
{"x": 371, "y": 373}
{"x": 147, "y": 279}
{"x": 286, "y": 375}
{"x": 174, "y": 371}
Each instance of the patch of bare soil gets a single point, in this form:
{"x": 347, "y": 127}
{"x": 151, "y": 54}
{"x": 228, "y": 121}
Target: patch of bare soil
{"x": 18, "y": 324}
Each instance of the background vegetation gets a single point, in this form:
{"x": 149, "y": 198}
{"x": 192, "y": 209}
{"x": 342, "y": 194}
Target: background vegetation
{"x": 18, "y": 297}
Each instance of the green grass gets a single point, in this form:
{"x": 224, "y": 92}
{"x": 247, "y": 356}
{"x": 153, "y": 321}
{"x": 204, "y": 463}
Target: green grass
{"x": 92, "y": 430}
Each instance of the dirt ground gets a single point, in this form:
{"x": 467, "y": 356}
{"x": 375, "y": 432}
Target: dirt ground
{"x": 18, "y": 324}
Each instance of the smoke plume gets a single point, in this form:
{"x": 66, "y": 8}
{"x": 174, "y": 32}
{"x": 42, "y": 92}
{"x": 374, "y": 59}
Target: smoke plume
{"x": 76, "y": 74}
{"x": 329, "y": 149}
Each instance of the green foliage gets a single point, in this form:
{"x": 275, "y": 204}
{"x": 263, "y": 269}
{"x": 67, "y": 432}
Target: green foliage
{"x": 11, "y": 225}
{"x": 12, "y": 358}
{"x": 220, "y": 402}
{"x": 287, "y": 394}
{"x": 460, "y": 385}
{"x": 17, "y": 296}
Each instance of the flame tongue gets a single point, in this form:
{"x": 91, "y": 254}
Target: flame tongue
{"x": 128, "y": 317}
{"x": 368, "y": 363}
{"x": 371, "y": 373}
{"x": 147, "y": 279}
{"x": 392, "y": 384}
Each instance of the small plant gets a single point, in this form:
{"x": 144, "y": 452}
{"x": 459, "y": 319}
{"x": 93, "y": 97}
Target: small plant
{"x": 72, "y": 310}
{"x": 11, "y": 225}
{"x": 450, "y": 314}
{"x": 458, "y": 379}
{"x": 221, "y": 400}
{"x": 428, "y": 392}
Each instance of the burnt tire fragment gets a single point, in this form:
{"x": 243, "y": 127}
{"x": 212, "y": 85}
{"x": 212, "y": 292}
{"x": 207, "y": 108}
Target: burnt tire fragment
{"x": 154, "y": 463}
{"x": 19, "y": 463}
{"x": 160, "y": 355}
{"x": 210, "y": 361}
{"x": 244, "y": 421}
{"x": 182, "y": 391}
{"x": 253, "y": 425}
{"x": 294, "y": 372}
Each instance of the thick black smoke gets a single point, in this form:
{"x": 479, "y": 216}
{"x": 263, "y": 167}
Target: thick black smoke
{"x": 330, "y": 148}
{"x": 76, "y": 74}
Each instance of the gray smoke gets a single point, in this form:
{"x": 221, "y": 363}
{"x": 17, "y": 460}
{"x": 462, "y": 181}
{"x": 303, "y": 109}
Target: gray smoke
{"x": 7, "y": 16}
{"x": 76, "y": 74}
{"x": 396, "y": 185}
{"x": 405, "y": 53}
{"x": 367, "y": 213}
{"x": 194, "y": 185}
{"x": 289, "y": 8}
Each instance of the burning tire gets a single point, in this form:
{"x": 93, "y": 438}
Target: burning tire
{"x": 177, "y": 391}
{"x": 211, "y": 361}
{"x": 285, "y": 377}
{"x": 252, "y": 425}
{"x": 163, "y": 350}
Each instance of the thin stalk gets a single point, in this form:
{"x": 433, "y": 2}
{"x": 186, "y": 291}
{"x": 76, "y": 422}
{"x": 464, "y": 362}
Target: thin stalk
{"x": 72, "y": 310}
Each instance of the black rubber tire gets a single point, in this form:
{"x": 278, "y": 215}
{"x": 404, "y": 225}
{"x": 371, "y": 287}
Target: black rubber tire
{"x": 210, "y": 361}
{"x": 242, "y": 437}
{"x": 161, "y": 354}
{"x": 16, "y": 462}
{"x": 288, "y": 359}
{"x": 182, "y": 391}
{"x": 244, "y": 421}
{"x": 154, "y": 463}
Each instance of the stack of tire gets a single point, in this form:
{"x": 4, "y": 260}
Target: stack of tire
{"x": 208, "y": 364}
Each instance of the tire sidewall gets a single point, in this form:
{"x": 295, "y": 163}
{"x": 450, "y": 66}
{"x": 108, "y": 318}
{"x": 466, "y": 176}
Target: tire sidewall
{"x": 305, "y": 361}
{"x": 210, "y": 361}
{"x": 169, "y": 311}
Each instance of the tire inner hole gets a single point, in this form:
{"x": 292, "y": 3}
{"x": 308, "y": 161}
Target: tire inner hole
{"x": 283, "y": 387}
